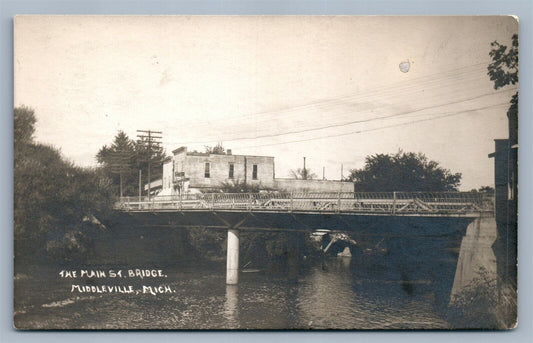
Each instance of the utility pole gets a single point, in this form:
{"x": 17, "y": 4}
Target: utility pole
{"x": 342, "y": 172}
{"x": 304, "y": 172}
{"x": 121, "y": 163}
{"x": 323, "y": 173}
{"x": 149, "y": 139}
{"x": 140, "y": 184}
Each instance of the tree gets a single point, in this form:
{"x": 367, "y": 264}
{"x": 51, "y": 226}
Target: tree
{"x": 504, "y": 68}
{"x": 238, "y": 186}
{"x": 503, "y": 71}
{"x": 125, "y": 157}
{"x": 121, "y": 145}
{"x": 52, "y": 197}
{"x": 483, "y": 189}
{"x": 24, "y": 125}
{"x": 303, "y": 174}
{"x": 407, "y": 172}
{"x": 216, "y": 150}
{"x": 120, "y": 163}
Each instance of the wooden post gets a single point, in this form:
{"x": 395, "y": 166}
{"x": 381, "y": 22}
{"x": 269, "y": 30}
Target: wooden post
{"x": 121, "y": 193}
{"x": 333, "y": 240}
{"x": 232, "y": 259}
{"x": 140, "y": 188}
{"x": 292, "y": 201}
{"x": 394, "y": 203}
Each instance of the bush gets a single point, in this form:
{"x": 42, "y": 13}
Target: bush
{"x": 477, "y": 305}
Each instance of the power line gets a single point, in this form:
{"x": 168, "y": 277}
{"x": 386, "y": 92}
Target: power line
{"x": 448, "y": 114}
{"x": 398, "y": 88}
{"x": 355, "y": 121}
{"x": 341, "y": 106}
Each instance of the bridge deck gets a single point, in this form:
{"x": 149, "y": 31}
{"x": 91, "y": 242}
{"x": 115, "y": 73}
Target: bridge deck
{"x": 446, "y": 204}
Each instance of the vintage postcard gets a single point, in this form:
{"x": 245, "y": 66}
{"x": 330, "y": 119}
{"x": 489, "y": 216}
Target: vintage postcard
{"x": 265, "y": 172}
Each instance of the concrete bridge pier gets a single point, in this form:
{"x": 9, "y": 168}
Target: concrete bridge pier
{"x": 232, "y": 259}
{"x": 476, "y": 263}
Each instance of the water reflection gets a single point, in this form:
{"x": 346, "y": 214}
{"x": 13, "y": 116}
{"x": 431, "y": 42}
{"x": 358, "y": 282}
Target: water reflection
{"x": 335, "y": 298}
{"x": 345, "y": 261}
{"x": 231, "y": 306}
{"x": 331, "y": 291}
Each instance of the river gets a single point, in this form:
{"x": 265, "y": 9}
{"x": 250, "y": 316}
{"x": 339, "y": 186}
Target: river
{"x": 334, "y": 296}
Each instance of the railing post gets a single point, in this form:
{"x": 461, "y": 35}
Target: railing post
{"x": 180, "y": 200}
{"x": 212, "y": 201}
{"x": 339, "y": 202}
{"x": 292, "y": 201}
{"x": 394, "y": 203}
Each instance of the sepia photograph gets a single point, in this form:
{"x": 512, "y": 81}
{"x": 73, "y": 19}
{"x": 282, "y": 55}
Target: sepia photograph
{"x": 265, "y": 172}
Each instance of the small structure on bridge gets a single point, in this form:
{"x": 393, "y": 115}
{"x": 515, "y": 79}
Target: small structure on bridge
{"x": 154, "y": 187}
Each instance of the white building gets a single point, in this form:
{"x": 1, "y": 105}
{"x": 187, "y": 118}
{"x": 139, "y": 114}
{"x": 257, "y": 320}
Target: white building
{"x": 196, "y": 171}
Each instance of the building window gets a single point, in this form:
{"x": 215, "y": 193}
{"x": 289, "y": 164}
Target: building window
{"x": 207, "y": 167}
{"x": 231, "y": 170}
{"x": 254, "y": 172}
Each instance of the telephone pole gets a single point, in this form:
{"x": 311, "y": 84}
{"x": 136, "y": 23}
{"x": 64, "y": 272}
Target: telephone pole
{"x": 121, "y": 163}
{"x": 304, "y": 172}
{"x": 149, "y": 139}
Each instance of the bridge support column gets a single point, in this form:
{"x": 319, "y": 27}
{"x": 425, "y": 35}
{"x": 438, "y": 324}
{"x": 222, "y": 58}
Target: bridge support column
{"x": 232, "y": 260}
{"x": 476, "y": 259}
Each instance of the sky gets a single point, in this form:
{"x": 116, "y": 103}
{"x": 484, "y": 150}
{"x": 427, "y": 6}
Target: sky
{"x": 328, "y": 88}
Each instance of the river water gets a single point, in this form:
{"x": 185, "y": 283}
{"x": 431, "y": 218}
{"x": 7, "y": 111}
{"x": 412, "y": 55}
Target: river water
{"x": 334, "y": 297}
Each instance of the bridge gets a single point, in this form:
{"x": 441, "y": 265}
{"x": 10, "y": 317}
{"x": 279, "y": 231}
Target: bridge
{"x": 462, "y": 204}
{"x": 303, "y": 211}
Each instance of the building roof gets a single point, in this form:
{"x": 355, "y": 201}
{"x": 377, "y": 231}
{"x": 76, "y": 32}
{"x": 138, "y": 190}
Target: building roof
{"x": 197, "y": 153}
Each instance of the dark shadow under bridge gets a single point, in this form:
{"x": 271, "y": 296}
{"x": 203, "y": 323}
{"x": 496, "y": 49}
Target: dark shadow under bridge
{"x": 410, "y": 217}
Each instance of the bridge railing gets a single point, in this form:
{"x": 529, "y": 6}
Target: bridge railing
{"x": 359, "y": 202}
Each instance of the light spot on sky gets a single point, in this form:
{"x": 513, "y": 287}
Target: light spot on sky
{"x": 404, "y": 66}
